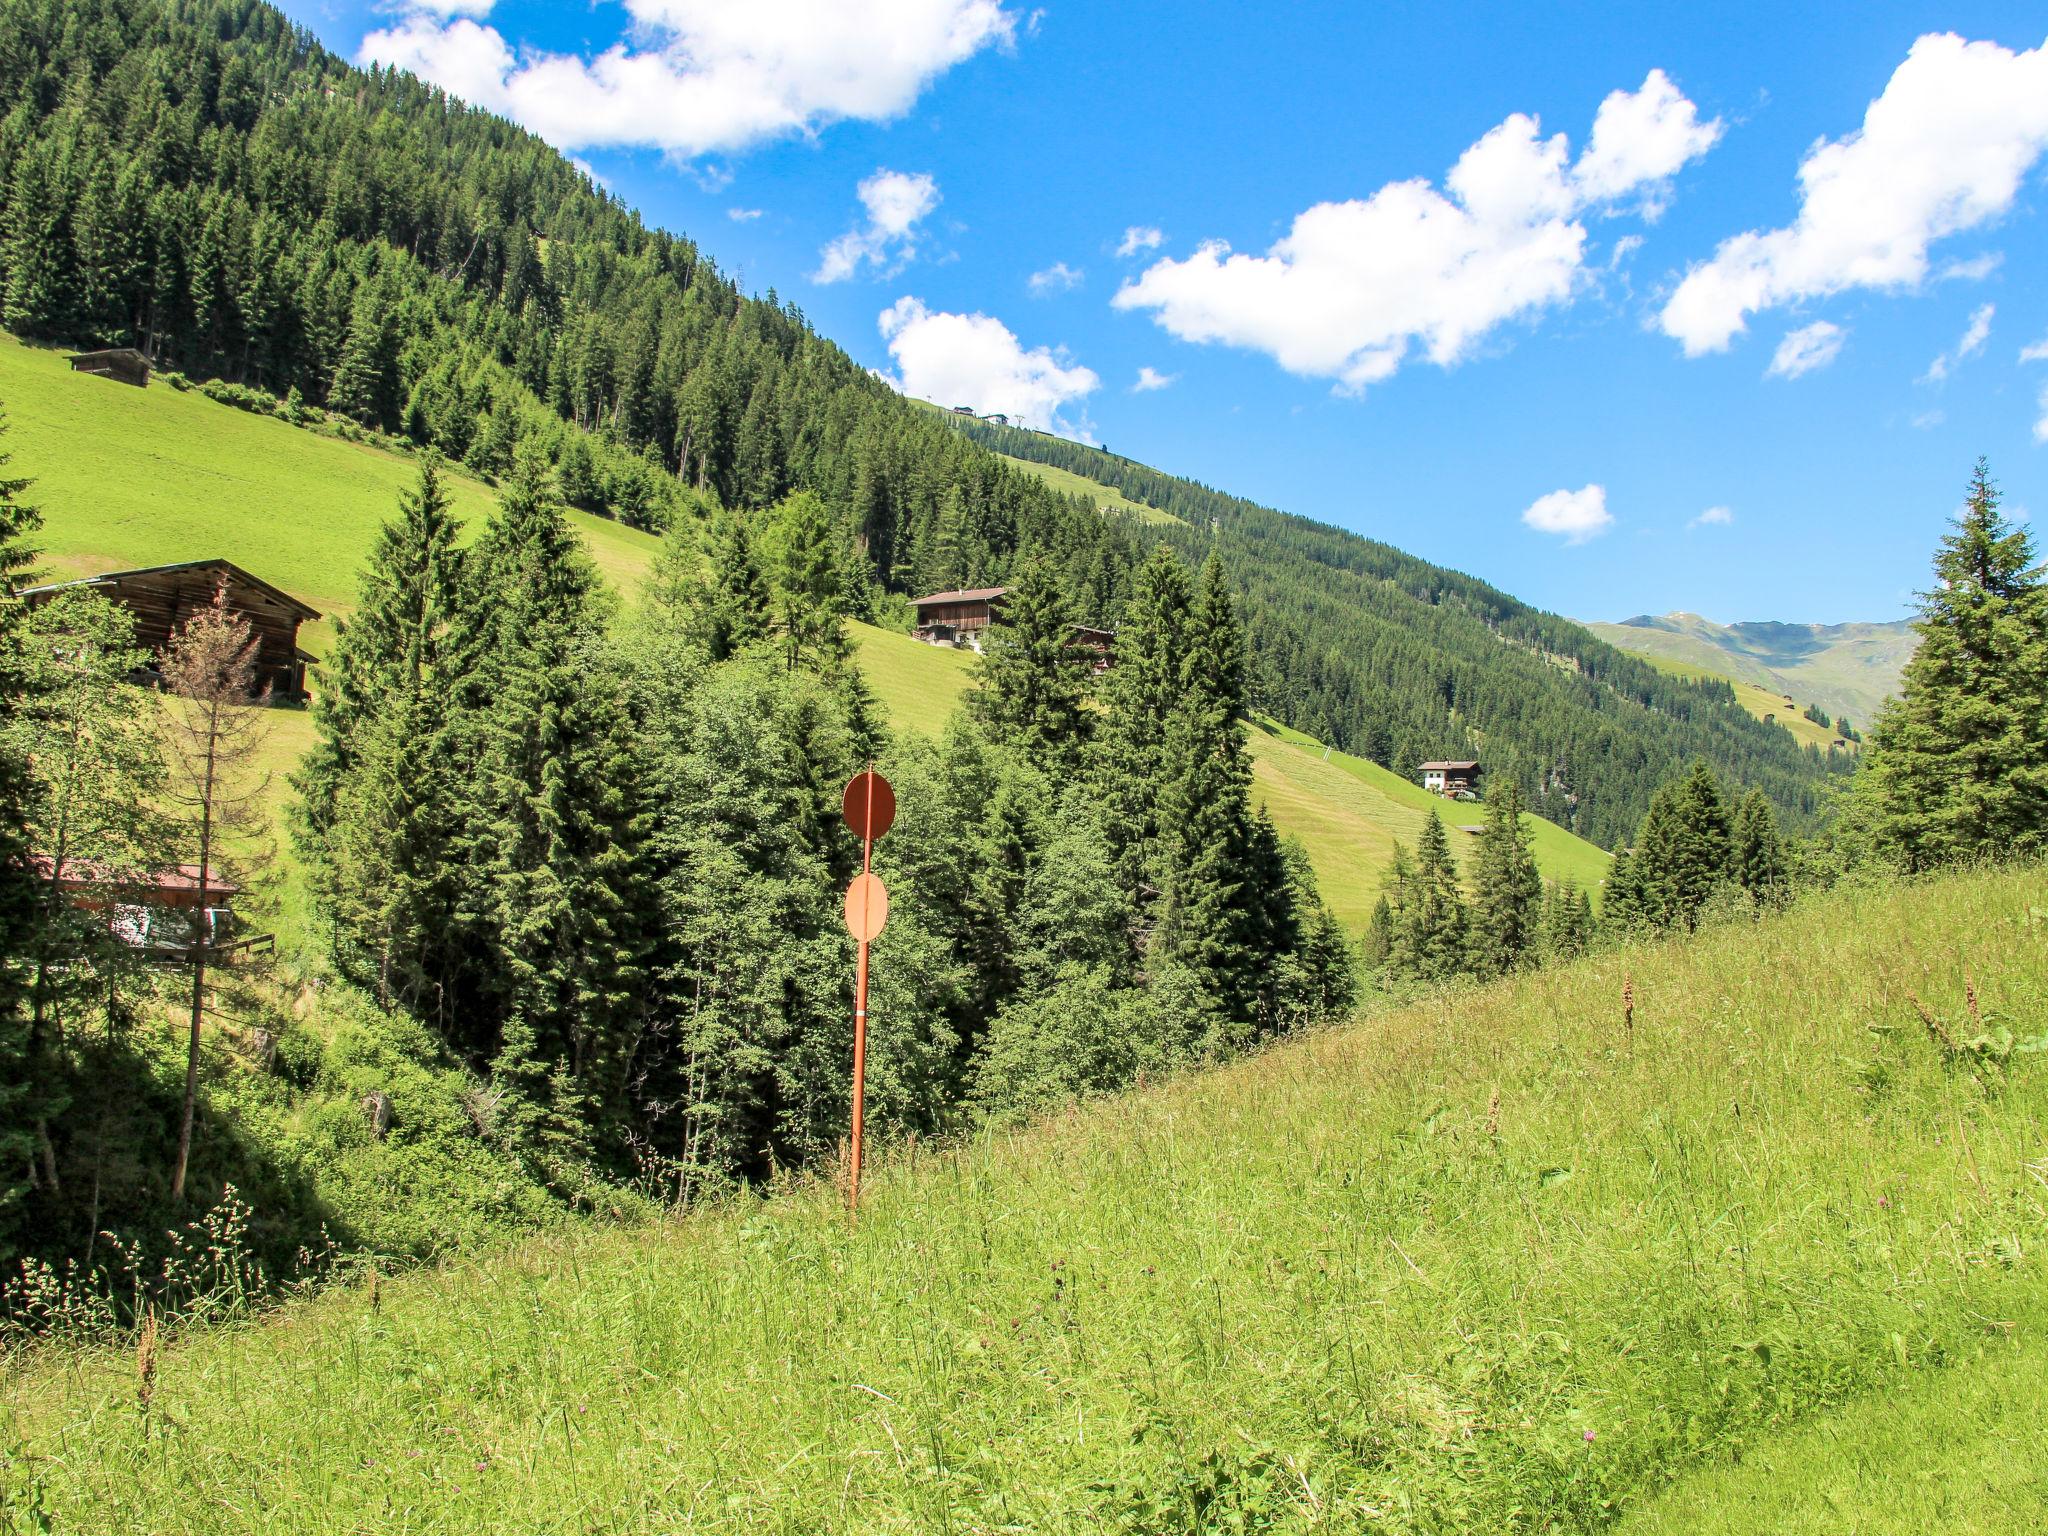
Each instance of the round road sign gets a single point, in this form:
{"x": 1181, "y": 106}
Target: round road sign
{"x": 867, "y": 907}
{"x": 869, "y": 804}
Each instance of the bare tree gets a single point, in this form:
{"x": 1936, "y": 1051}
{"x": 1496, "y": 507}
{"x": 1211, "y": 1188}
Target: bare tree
{"x": 215, "y": 739}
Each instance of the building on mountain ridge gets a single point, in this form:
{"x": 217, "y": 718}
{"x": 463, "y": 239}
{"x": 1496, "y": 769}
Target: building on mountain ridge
{"x": 163, "y": 597}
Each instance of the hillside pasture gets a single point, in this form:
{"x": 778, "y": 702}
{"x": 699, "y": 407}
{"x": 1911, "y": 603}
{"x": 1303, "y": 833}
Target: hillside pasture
{"x": 1487, "y": 1262}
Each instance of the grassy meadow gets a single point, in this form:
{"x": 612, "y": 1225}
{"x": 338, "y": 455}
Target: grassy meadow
{"x": 1500, "y": 1260}
{"x": 131, "y": 477}
{"x": 1760, "y": 701}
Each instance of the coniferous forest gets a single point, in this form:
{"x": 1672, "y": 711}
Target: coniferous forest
{"x": 202, "y": 180}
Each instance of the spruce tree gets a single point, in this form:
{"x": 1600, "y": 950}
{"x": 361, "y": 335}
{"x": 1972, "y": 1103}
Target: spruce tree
{"x": 32, "y": 301}
{"x": 1431, "y": 925}
{"x": 1757, "y": 850}
{"x": 1684, "y": 850}
{"x": 557, "y": 820}
{"x": 1623, "y": 908}
{"x": 1215, "y": 902}
{"x": 1957, "y": 765}
{"x": 380, "y": 791}
{"x": 1508, "y": 890}
{"x": 1567, "y": 921}
{"x": 1143, "y": 690}
{"x": 21, "y": 1098}
{"x": 1031, "y": 683}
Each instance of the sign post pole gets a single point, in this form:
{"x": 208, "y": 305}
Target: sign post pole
{"x": 869, "y": 807}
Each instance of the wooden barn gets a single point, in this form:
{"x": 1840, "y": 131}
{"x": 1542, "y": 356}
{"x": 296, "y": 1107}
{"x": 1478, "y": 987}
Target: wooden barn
{"x": 958, "y": 618}
{"x": 1452, "y": 780}
{"x": 163, "y": 597}
{"x": 1099, "y": 643}
{"x": 122, "y": 363}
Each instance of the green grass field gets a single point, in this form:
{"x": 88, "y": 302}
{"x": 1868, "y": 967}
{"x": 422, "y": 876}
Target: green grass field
{"x": 1094, "y": 490}
{"x": 131, "y": 477}
{"x": 1489, "y": 1262}
{"x": 1847, "y": 668}
{"x": 1762, "y": 702}
{"x": 1957, "y": 1451}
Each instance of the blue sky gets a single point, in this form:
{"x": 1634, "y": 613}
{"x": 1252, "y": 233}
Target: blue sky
{"x": 1730, "y": 346}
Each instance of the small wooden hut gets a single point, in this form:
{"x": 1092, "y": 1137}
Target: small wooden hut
{"x": 123, "y": 363}
{"x": 163, "y": 597}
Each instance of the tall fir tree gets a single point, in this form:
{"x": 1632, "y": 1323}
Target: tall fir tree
{"x": 1217, "y": 899}
{"x": 1432, "y": 921}
{"x": 23, "y": 1100}
{"x": 1142, "y": 692}
{"x": 1031, "y": 683}
{"x": 1757, "y": 851}
{"x": 380, "y": 791}
{"x": 1957, "y": 765}
{"x": 558, "y": 823}
{"x": 1508, "y": 890}
{"x": 1684, "y": 851}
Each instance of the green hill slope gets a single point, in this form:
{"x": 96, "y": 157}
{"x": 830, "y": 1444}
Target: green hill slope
{"x": 1763, "y": 702}
{"x": 135, "y": 477}
{"x": 1845, "y": 668}
{"x": 1484, "y": 1264}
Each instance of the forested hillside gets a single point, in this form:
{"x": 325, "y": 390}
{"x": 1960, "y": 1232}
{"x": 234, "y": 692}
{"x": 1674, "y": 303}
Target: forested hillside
{"x": 200, "y": 178}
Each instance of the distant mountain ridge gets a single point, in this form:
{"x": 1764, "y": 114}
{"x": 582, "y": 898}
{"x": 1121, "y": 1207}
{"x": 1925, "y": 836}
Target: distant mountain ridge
{"x": 1844, "y": 668}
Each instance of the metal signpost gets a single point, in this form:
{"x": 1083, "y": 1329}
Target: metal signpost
{"x": 869, "y": 806}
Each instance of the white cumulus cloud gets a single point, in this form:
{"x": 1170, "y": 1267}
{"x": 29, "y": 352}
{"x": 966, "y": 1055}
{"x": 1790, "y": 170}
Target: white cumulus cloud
{"x": 1150, "y": 378}
{"x": 896, "y": 204}
{"x": 1973, "y": 338}
{"x": 1057, "y": 278}
{"x": 1810, "y": 347}
{"x": 2037, "y": 353}
{"x": 743, "y": 215}
{"x": 697, "y": 77}
{"x": 1944, "y": 149}
{"x": 1576, "y": 515}
{"x": 1354, "y": 285}
{"x": 1140, "y": 238}
{"x": 976, "y": 360}
{"x": 1713, "y": 517}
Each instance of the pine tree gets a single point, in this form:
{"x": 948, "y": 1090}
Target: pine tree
{"x": 1031, "y": 683}
{"x": 1567, "y": 921}
{"x": 812, "y": 587}
{"x": 1757, "y": 850}
{"x": 1432, "y": 922}
{"x": 1957, "y": 765}
{"x": 1508, "y": 889}
{"x": 1622, "y": 907}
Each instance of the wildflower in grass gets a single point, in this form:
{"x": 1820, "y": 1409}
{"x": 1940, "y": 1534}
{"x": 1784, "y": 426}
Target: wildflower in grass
{"x": 1589, "y": 1436}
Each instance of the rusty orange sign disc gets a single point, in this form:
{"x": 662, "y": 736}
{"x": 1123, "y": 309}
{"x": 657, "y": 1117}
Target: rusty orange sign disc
{"x": 867, "y": 906}
{"x": 869, "y": 805}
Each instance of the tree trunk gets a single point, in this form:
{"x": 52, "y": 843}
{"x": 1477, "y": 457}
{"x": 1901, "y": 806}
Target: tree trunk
{"x": 198, "y": 959}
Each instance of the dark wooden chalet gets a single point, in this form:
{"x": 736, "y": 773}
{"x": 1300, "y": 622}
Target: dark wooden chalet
{"x": 1452, "y": 780}
{"x": 958, "y": 618}
{"x": 163, "y": 597}
{"x": 1099, "y": 643}
{"x": 123, "y": 363}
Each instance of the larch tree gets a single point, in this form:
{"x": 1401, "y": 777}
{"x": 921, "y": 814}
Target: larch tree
{"x": 214, "y": 738}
